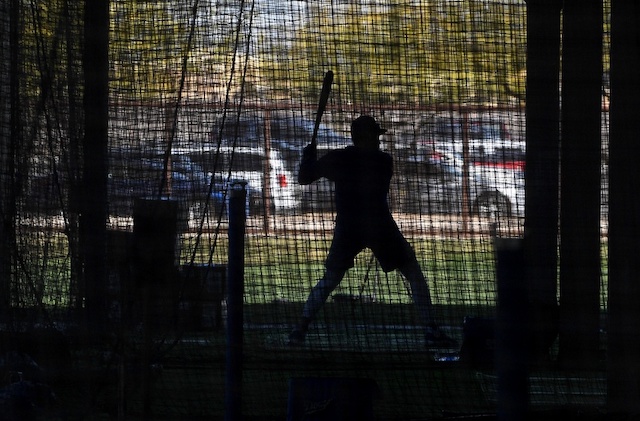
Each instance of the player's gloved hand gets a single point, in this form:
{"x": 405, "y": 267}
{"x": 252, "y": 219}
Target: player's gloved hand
{"x": 310, "y": 152}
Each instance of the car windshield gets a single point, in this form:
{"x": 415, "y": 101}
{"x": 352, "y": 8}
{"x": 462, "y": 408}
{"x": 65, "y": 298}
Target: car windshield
{"x": 240, "y": 130}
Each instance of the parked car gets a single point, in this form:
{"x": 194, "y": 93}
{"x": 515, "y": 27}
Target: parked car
{"x": 433, "y": 183}
{"x": 132, "y": 173}
{"x": 288, "y": 135}
{"x": 487, "y": 138}
{"x": 226, "y": 164}
{"x": 142, "y": 174}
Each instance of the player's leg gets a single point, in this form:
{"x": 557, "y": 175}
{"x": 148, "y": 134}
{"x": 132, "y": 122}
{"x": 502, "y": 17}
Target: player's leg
{"x": 394, "y": 252}
{"x": 419, "y": 289}
{"x": 343, "y": 250}
{"x": 421, "y": 295}
{"x": 318, "y": 296}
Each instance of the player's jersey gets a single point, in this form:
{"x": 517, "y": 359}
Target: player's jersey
{"x": 361, "y": 177}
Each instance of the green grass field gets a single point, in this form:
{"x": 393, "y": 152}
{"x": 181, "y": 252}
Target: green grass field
{"x": 283, "y": 268}
{"x": 459, "y": 271}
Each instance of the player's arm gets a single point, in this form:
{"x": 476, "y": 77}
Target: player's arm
{"x": 330, "y": 165}
{"x": 308, "y": 172}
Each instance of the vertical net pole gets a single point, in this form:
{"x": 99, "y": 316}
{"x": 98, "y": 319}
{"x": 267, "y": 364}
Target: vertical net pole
{"x": 235, "y": 288}
{"x": 542, "y": 162}
{"x": 155, "y": 231}
{"x": 580, "y": 184}
{"x": 512, "y": 332}
{"x": 9, "y": 114}
{"x": 96, "y": 112}
{"x": 623, "y": 380}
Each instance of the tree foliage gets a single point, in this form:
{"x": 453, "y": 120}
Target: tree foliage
{"x": 419, "y": 52}
{"x": 147, "y": 47}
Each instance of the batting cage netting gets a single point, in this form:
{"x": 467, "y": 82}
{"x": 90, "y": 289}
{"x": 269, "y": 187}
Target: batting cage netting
{"x": 150, "y": 160}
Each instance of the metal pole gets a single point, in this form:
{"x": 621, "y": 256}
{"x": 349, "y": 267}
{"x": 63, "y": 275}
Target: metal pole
{"x": 623, "y": 348}
{"x": 542, "y": 174}
{"x": 512, "y": 330}
{"x": 9, "y": 138}
{"x": 580, "y": 258}
{"x": 96, "y": 138}
{"x": 235, "y": 288}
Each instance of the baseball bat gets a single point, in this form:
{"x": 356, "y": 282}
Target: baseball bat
{"x": 324, "y": 97}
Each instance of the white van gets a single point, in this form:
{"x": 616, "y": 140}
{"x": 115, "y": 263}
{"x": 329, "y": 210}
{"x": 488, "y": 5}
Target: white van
{"x": 226, "y": 164}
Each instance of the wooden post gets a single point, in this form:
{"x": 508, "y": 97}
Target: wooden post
{"x": 266, "y": 173}
{"x": 466, "y": 207}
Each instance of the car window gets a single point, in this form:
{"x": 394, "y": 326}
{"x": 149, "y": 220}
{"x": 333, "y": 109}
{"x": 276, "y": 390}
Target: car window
{"x": 245, "y": 129}
{"x": 446, "y": 129}
{"x": 289, "y": 129}
{"x": 450, "y": 129}
{"x": 247, "y": 162}
{"x": 132, "y": 165}
{"x": 485, "y": 130}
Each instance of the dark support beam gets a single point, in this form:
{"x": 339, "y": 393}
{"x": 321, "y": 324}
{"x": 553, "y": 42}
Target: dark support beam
{"x": 580, "y": 184}
{"x": 624, "y": 212}
{"x": 512, "y": 353}
{"x": 542, "y": 167}
{"x": 235, "y": 302}
{"x": 10, "y": 134}
{"x": 93, "y": 229}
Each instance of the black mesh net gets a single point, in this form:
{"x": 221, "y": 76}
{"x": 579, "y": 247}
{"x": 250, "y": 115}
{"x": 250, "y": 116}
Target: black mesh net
{"x": 203, "y": 94}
